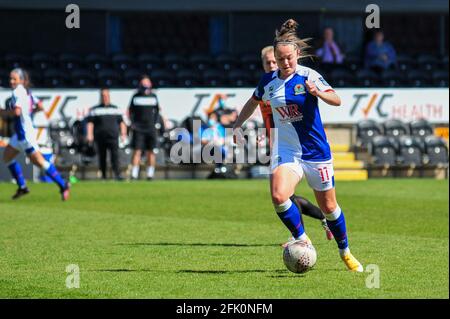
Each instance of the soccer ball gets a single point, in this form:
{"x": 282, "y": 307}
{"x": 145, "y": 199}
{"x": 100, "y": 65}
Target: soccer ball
{"x": 299, "y": 256}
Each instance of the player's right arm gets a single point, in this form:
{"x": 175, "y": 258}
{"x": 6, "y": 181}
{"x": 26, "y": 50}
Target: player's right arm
{"x": 247, "y": 111}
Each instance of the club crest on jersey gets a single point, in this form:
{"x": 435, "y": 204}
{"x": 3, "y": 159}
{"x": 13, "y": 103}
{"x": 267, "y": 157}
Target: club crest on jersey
{"x": 289, "y": 113}
{"x": 299, "y": 89}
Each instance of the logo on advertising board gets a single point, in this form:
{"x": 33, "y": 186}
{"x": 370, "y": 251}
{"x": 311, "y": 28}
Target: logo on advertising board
{"x": 289, "y": 113}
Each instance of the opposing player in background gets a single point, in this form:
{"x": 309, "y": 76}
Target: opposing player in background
{"x": 144, "y": 114}
{"x": 24, "y": 138}
{"x": 305, "y": 206}
{"x": 301, "y": 147}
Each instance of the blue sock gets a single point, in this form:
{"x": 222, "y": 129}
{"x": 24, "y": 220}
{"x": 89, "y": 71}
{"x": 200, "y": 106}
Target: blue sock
{"x": 16, "y": 172}
{"x": 290, "y": 216}
{"x": 336, "y": 223}
{"x": 55, "y": 176}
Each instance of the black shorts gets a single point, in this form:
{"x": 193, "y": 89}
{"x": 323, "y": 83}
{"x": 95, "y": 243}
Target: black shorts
{"x": 144, "y": 141}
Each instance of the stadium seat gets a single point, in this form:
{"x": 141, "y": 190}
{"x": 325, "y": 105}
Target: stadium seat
{"x": 109, "y": 78}
{"x": 4, "y": 78}
{"x": 341, "y": 78}
{"x": 149, "y": 61}
{"x": 43, "y": 61}
{"x": 13, "y": 60}
{"x": 200, "y": 61}
{"x": 188, "y": 78}
{"x": 436, "y": 150}
{"x": 444, "y": 62}
{"x": 69, "y": 61}
{"x": 97, "y": 62}
{"x": 122, "y": 61}
{"x": 174, "y": 61}
{"x": 131, "y": 78}
{"x": 392, "y": 79}
{"x": 410, "y": 151}
{"x": 251, "y": 62}
{"x": 36, "y": 77}
{"x": 162, "y": 78}
{"x": 55, "y": 78}
{"x": 366, "y": 130}
{"x": 383, "y": 151}
{"x": 367, "y": 78}
{"x": 420, "y": 128}
{"x": 418, "y": 78}
{"x": 240, "y": 78}
{"x": 405, "y": 62}
{"x": 82, "y": 78}
{"x": 395, "y": 128}
{"x": 427, "y": 62}
{"x": 214, "y": 78}
{"x": 440, "y": 78}
{"x": 225, "y": 61}
{"x": 352, "y": 62}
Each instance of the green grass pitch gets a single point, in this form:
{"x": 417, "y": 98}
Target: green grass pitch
{"x": 218, "y": 239}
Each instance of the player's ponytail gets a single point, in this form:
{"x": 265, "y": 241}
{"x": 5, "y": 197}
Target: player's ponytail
{"x": 287, "y": 34}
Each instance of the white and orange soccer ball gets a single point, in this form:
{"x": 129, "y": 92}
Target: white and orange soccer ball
{"x": 299, "y": 256}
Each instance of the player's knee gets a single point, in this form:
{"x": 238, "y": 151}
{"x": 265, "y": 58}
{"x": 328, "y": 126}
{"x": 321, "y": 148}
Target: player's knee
{"x": 329, "y": 207}
{"x": 279, "y": 197}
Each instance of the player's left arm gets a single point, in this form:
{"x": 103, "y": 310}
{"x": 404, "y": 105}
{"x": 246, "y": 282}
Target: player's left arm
{"x": 317, "y": 86}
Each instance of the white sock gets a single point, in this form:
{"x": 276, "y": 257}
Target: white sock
{"x": 344, "y": 251}
{"x": 302, "y": 237}
{"x": 135, "y": 171}
{"x": 150, "y": 171}
{"x": 334, "y": 215}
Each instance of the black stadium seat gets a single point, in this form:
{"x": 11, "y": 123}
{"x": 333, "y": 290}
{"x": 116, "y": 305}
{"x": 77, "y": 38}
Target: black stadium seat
{"x": 352, "y": 62}
{"x": 418, "y": 78}
{"x": 200, "y": 61}
{"x": 149, "y": 61}
{"x": 43, "y": 61}
{"x": 240, "y": 78}
{"x": 366, "y": 130}
{"x": 131, "y": 78}
{"x": 392, "y": 78}
{"x": 13, "y": 60}
{"x": 420, "y": 128}
{"x": 174, "y": 61}
{"x": 367, "y": 78}
{"x": 188, "y": 78}
{"x": 4, "y": 78}
{"x": 214, "y": 78}
{"x": 122, "y": 61}
{"x": 251, "y": 62}
{"x": 82, "y": 78}
{"x": 97, "y": 62}
{"x": 162, "y": 78}
{"x": 410, "y": 151}
{"x": 109, "y": 78}
{"x": 383, "y": 151}
{"x": 69, "y": 61}
{"x": 395, "y": 128}
{"x": 405, "y": 62}
{"x": 436, "y": 150}
{"x": 427, "y": 62}
{"x": 225, "y": 61}
{"x": 55, "y": 78}
{"x": 440, "y": 78}
{"x": 341, "y": 78}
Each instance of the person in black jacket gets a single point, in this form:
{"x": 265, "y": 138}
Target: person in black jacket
{"x": 144, "y": 115}
{"x": 104, "y": 124}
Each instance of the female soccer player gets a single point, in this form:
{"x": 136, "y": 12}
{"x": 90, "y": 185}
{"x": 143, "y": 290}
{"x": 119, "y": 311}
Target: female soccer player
{"x": 305, "y": 206}
{"x": 24, "y": 138}
{"x": 300, "y": 146}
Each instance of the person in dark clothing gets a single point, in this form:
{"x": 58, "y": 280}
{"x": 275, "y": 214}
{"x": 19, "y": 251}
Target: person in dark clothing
{"x": 144, "y": 117}
{"x": 104, "y": 124}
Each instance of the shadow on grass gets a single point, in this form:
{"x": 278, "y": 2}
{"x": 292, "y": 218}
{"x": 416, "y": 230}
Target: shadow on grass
{"x": 199, "y": 244}
{"x": 220, "y": 272}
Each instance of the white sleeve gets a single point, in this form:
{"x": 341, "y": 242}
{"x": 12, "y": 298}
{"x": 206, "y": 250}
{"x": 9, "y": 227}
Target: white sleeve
{"x": 21, "y": 97}
{"x": 319, "y": 81}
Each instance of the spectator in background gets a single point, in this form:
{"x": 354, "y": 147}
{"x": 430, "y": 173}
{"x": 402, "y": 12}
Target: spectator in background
{"x": 144, "y": 116}
{"x": 380, "y": 55}
{"x": 329, "y": 52}
{"x": 104, "y": 124}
